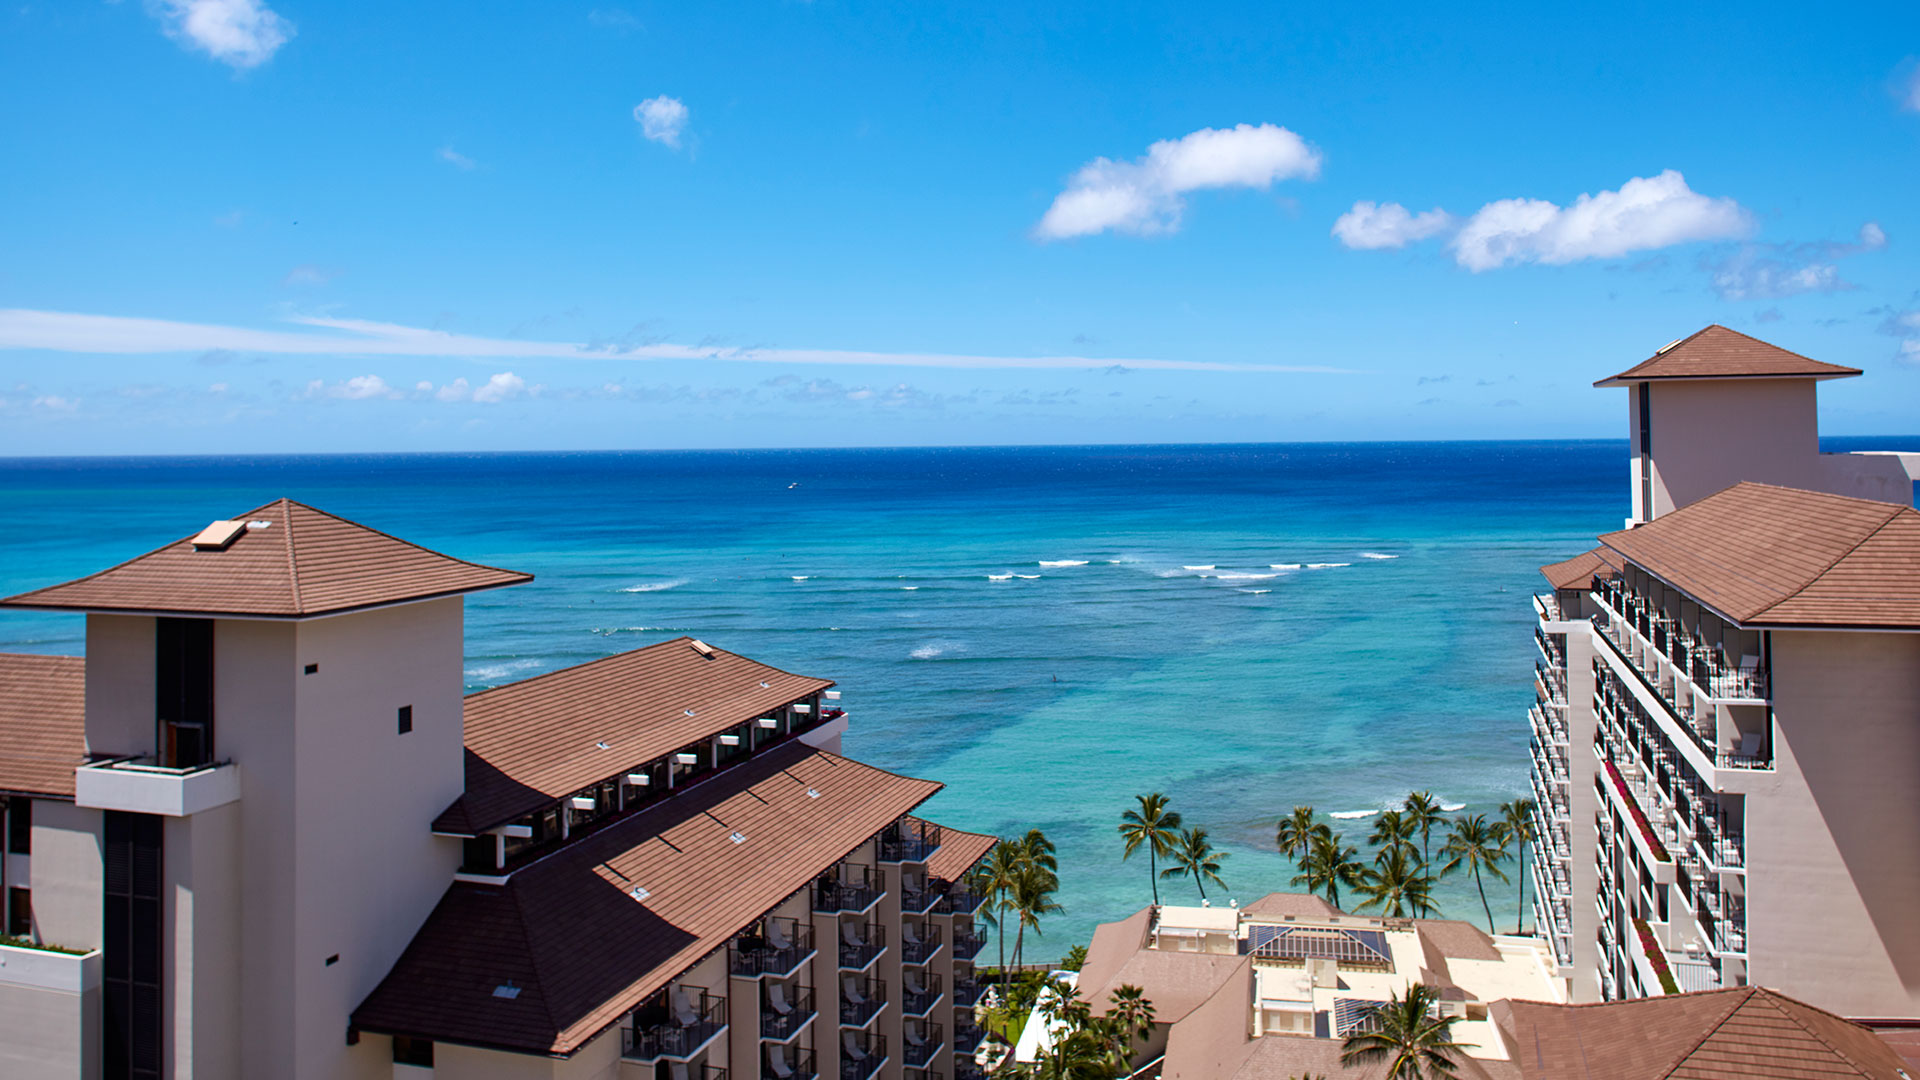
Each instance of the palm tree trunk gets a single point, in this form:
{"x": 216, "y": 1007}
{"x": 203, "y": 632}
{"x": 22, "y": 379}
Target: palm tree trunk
{"x": 1019, "y": 942}
{"x": 1201, "y": 884}
{"x": 1153, "y": 875}
{"x": 1520, "y": 916}
{"x": 1483, "y": 896}
{"x": 1000, "y": 937}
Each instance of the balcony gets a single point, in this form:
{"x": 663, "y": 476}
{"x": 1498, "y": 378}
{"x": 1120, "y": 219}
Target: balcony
{"x": 849, "y": 887}
{"x": 140, "y": 785}
{"x": 1550, "y": 684}
{"x": 676, "y": 1025}
{"x": 909, "y": 841}
{"x": 966, "y": 992}
{"x": 785, "y": 1012}
{"x": 965, "y": 1068}
{"x": 920, "y": 1042}
{"x": 1552, "y": 650}
{"x": 860, "y": 944}
{"x": 966, "y": 1033}
{"x": 1673, "y": 662}
{"x": 922, "y": 1074}
{"x": 960, "y": 900}
{"x": 966, "y": 943}
{"x": 1549, "y": 724}
{"x": 918, "y": 942}
{"x": 787, "y": 1063}
{"x": 778, "y": 947}
{"x": 861, "y": 1054}
{"x": 917, "y": 897}
{"x": 1547, "y": 606}
{"x": 919, "y": 992}
{"x": 861, "y": 1000}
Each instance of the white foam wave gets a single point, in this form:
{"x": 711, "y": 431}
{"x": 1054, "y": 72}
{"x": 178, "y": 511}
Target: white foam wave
{"x": 801, "y": 577}
{"x": 1326, "y": 565}
{"x": 1451, "y": 807}
{"x": 1245, "y": 577}
{"x": 1376, "y": 555}
{"x": 499, "y": 671}
{"x": 909, "y": 588}
{"x": 926, "y": 652}
{"x": 1348, "y": 815}
{"x": 1283, "y": 566}
{"x": 1209, "y": 566}
{"x": 1063, "y": 562}
{"x": 1256, "y": 592}
{"x": 999, "y": 577}
{"x": 1027, "y": 577}
{"x": 656, "y": 586}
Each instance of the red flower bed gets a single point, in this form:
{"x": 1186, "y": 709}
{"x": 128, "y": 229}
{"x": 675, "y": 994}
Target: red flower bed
{"x": 1639, "y": 819}
{"x": 1655, "y": 957}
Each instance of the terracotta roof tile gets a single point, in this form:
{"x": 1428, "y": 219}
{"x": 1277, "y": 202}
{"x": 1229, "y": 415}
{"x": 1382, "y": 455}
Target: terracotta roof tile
{"x": 1773, "y": 556}
{"x": 1719, "y": 353}
{"x": 535, "y": 741}
{"x": 1576, "y": 572}
{"x": 43, "y": 723}
{"x": 1279, "y": 905}
{"x": 958, "y": 853}
{"x": 304, "y": 562}
{"x": 583, "y": 951}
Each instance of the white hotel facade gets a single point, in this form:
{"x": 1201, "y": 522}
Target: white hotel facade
{"x": 1726, "y": 741}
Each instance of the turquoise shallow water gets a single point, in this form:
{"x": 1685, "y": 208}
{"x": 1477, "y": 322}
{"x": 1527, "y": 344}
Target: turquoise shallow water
{"x": 1048, "y": 631}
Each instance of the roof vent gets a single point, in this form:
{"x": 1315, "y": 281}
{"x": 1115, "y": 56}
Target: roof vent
{"x": 638, "y": 893}
{"x": 602, "y": 745}
{"x": 812, "y": 794}
{"x": 1662, "y": 350}
{"x": 763, "y": 685}
{"x": 257, "y": 524}
{"x": 702, "y": 648}
{"x": 689, "y": 712}
{"x": 737, "y": 836}
{"x": 506, "y": 990}
{"x": 219, "y": 535}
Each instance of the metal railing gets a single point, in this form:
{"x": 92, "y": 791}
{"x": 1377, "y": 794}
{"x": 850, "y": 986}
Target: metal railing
{"x": 781, "y": 1026}
{"x": 966, "y": 943}
{"x": 960, "y": 900}
{"x": 679, "y": 1037}
{"x": 861, "y": 1055}
{"x": 775, "y": 948}
{"x": 787, "y": 1063}
{"x": 909, "y": 840}
{"x": 867, "y": 942}
{"x": 919, "y": 996}
{"x": 919, "y": 942}
{"x": 861, "y": 1000}
{"x": 848, "y": 887}
{"x": 920, "y": 1051}
{"x": 966, "y": 992}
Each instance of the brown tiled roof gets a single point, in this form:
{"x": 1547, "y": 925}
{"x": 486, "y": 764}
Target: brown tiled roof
{"x": 958, "y": 853}
{"x": 1719, "y": 353}
{"x": 535, "y": 741}
{"x": 43, "y": 723}
{"x": 1280, "y": 905}
{"x": 1576, "y": 572}
{"x": 583, "y": 951}
{"x": 304, "y": 562}
{"x": 1749, "y": 1033}
{"x": 1774, "y": 556}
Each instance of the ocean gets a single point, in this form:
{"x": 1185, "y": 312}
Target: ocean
{"x": 1048, "y": 631}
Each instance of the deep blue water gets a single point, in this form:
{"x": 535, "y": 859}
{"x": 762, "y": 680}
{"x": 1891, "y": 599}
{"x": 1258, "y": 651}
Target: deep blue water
{"x": 1029, "y": 625}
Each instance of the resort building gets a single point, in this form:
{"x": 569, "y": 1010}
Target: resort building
{"x": 1725, "y": 734}
{"x": 1272, "y": 990}
{"x": 258, "y": 831}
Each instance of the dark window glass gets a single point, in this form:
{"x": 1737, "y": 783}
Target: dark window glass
{"x": 406, "y": 719}
{"x": 183, "y": 691}
{"x": 20, "y": 826}
{"x": 479, "y": 855}
{"x": 132, "y": 912}
{"x": 411, "y": 1051}
{"x": 19, "y": 913}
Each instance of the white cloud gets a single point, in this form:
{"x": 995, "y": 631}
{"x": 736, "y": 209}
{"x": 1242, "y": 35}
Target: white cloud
{"x": 502, "y": 387}
{"x": 1770, "y": 271}
{"x": 308, "y": 274}
{"x": 239, "y": 33}
{"x": 358, "y": 388}
{"x": 457, "y": 390}
{"x": 1145, "y": 195}
{"x": 1905, "y": 325}
{"x": 71, "y": 332}
{"x": 456, "y": 159}
{"x": 1645, "y": 214}
{"x": 53, "y": 403}
{"x": 662, "y": 119}
{"x": 1370, "y": 227}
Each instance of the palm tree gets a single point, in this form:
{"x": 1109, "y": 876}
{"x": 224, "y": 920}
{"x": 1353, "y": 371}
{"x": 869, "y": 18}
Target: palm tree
{"x": 1032, "y": 898}
{"x": 1131, "y": 1015}
{"x": 1393, "y": 829}
{"x": 1295, "y": 834}
{"x": 1406, "y": 1033}
{"x": 1517, "y": 816}
{"x": 1477, "y": 845}
{"x": 1328, "y": 865}
{"x": 1423, "y": 811}
{"x": 996, "y": 881}
{"x": 1396, "y": 883}
{"x": 1154, "y": 826}
{"x": 1194, "y": 856}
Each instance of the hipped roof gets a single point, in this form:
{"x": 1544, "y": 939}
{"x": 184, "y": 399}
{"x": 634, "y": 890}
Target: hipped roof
{"x": 570, "y": 935}
{"x": 538, "y": 740}
{"x": 303, "y": 562}
{"x": 43, "y": 723}
{"x": 1773, "y": 556}
{"x": 1577, "y": 572}
{"x": 1719, "y": 353}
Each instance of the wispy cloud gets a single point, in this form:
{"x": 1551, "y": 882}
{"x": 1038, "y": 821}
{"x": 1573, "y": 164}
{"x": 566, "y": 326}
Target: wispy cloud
{"x": 1370, "y": 227}
{"x": 1904, "y": 325}
{"x": 662, "y": 119}
{"x": 358, "y": 388}
{"x": 239, "y": 33}
{"x": 308, "y": 274}
{"x": 58, "y": 331}
{"x": 455, "y": 158}
{"x": 1147, "y": 194}
{"x": 1645, "y": 214}
{"x": 1770, "y": 271}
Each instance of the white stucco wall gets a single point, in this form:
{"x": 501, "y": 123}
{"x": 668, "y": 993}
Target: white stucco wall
{"x": 67, "y": 880}
{"x": 120, "y": 690}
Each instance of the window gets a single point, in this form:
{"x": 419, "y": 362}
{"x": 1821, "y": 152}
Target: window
{"x": 408, "y": 1050}
{"x": 131, "y": 1015}
{"x": 406, "y": 719}
{"x": 20, "y": 826}
{"x": 183, "y": 691}
{"x": 19, "y": 913}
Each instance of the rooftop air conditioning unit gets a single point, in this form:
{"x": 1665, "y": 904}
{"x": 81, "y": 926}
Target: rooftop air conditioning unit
{"x": 687, "y": 759}
{"x": 833, "y": 695}
{"x": 803, "y": 708}
{"x": 516, "y": 832}
{"x": 729, "y": 740}
{"x": 769, "y": 722}
{"x": 583, "y": 802}
{"x": 639, "y": 779}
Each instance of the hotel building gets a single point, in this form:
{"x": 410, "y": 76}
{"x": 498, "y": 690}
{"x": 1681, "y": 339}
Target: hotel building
{"x": 258, "y": 831}
{"x": 1727, "y": 730}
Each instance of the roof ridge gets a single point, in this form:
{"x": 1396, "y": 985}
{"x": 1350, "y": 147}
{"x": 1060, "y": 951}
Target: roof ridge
{"x": 1745, "y": 993}
{"x": 641, "y": 649}
{"x": 1876, "y": 531}
{"x": 293, "y": 560}
{"x": 1774, "y": 1000}
{"x": 99, "y": 573}
{"x": 402, "y": 540}
{"x": 520, "y": 921}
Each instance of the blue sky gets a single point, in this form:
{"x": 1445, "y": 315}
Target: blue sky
{"x": 282, "y": 225}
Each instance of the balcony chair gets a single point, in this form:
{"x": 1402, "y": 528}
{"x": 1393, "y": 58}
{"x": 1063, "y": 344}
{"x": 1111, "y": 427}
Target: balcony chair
{"x": 850, "y": 933}
{"x": 915, "y": 1038}
{"x": 776, "y": 937}
{"x": 777, "y": 999}
{"x": 1750, "y": 744}
{"x": 850, "y": 986}
{"x": 676, "y": 1070}
{"x": 683, "y": 1011}
{"x": 909, "y": 934}
{"x": 854, "y": 1051}
{"x": 1749, "y": 669}
{"x": 915, "y": 986}
{"x": 777, "y": 1064}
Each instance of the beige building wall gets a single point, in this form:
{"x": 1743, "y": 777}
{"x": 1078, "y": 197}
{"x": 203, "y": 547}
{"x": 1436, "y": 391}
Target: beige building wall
{"x": 1834, "y": 840}
{"x": 1582, "y": 983}
{"x": 50, "y": 1003}
{"x": 598, "y": 1060}
{"x": 120, "y": 690}
{"x": 67, "y": 874}
{"x": 201, "y": 953}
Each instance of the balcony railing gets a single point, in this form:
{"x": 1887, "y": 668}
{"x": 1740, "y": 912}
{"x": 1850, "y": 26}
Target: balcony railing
{"x": 918, "y": 1043}
{"x": 909, "y": 841}
{"x": 694, "y": 1020}
{"x": 784, "y": 1012}
{"x": 1548, "y": 606}
{"x": 966, "y": 1033}
{"x": 965, "y": 1068}
{"x": 919, "y": 993}
{"x": 860, "y": 943}
{"x": 918, "y": 942}
{"x": 959, "y": 900}
{"x": 918, "y": 897}
{"x": 1672, "y": 652}
{"x": 861, "y": 1000}
{"x": 861, "y": 1054}
{"x": 966, "y": 992}
{"x": 776, "y": 948}
{"x": 787, "y": 1063}
{"x": 922, "y": 1074}
{"x": 849, "y": 887}
{"x": 966, "y": 943}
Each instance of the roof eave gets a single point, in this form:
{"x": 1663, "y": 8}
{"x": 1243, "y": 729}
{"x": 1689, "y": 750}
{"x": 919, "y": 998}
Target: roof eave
{"x": 20, "y": 603}
{"x": 1627, "y": 378}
